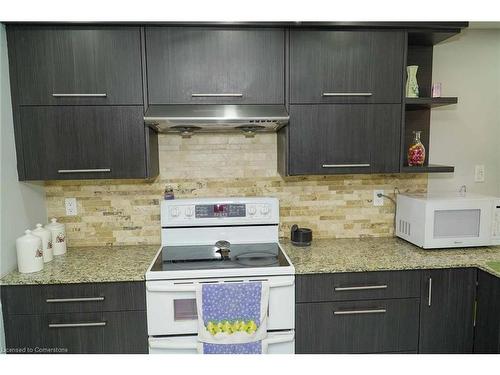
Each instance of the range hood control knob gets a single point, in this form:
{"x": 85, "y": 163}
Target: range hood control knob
{"x": 251, "y": 210}
{"x": 174, "y": 212}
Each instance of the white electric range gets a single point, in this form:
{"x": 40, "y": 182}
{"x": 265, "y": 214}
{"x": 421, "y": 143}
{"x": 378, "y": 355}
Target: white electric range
{"x": 217, "y": 240}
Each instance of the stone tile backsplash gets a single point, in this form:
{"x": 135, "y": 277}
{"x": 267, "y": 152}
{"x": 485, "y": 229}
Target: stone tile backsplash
{"x": 121, "y": 212}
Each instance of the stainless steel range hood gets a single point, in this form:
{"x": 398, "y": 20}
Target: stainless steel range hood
{"x": 188, "y": 118}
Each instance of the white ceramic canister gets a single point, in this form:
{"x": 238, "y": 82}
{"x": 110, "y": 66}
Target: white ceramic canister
{"x": 29, "y": 253}
{"x": 58, "y": 236}
{"x": 46, "y": 237}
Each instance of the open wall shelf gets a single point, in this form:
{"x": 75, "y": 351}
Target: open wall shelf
{"x": 417, "y": 111}
{"x": 431, "y": 168}
{"x": 416, "y": 103}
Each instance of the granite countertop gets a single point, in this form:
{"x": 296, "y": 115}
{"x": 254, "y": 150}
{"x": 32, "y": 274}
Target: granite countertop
{"x": 129, "y": 263}
{"x": 379, "y": 254}
{"x": 90, "y": 264}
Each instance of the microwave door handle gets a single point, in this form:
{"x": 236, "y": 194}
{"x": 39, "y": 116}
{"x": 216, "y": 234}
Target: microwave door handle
{"x": 192, "y": 287}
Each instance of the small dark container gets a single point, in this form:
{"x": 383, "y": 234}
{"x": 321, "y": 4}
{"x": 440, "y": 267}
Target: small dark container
{"x": 301, "y": 236}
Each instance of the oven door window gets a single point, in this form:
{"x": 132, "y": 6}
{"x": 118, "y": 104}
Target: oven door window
{"x": 457, "y": 223}
{"x": 185, "y": 309}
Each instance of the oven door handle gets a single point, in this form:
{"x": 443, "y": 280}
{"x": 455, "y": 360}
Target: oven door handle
{"x": 280, "y": 338}
{"x": 192, "y": 287}
{"x": 158, "y": 344}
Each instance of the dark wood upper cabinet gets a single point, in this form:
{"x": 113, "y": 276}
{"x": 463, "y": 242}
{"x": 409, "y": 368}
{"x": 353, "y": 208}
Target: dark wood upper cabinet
{"x": 215, "y": 65}
{"x": 334, "y": 66}
{"x": 340, "y": 138}
{"x": 68, "y": 65}
{"x": 74, "y": 142}
{"x": 447, "y": 311}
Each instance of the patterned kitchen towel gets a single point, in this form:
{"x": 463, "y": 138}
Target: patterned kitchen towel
{"x": 232, "y": 313}
{"x": 258, "y": 347}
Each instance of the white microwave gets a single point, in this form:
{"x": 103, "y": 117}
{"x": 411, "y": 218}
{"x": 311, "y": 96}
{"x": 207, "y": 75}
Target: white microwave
{"x": 434, "y": 221}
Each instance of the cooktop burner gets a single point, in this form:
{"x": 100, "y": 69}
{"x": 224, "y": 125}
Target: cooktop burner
{"x": 203, "y": 257}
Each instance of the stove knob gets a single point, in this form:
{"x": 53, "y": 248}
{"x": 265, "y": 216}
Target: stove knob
{"x": 189, "y": 211}
{"x": 251, "y": 210}
{"x": 264, "y": 210}
{"x": 174, "y": 212}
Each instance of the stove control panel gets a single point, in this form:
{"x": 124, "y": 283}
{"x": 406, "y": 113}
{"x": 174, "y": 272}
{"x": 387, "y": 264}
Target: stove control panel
{"x": 220, "y": 210}
{"x": 230, "y": 211}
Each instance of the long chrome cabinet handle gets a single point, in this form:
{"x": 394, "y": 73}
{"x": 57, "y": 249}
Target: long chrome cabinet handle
{"x": 82, "y": 299}
{"x": 359, "y": 165}
{"x": 429, "y": 297}
{"x": 73, "y": 325}
{"x": 56, "y": 95}
{"x": 354, "y": 312}
{"x": 347, "y": 94}
{"x": 367, "y": 287}
{"x": 96, "y": 170}
{"x": 222, "y": 95}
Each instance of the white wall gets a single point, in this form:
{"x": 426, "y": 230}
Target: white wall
{"x": 22, "y": 205}
{"x": 468, "y": 133}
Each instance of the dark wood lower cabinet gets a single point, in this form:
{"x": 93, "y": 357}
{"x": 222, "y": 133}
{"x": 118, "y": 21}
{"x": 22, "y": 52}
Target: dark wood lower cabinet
{"x": 386, "y": 312}
{"x": 447, "y": 311}
{"x": 107, "y": 332}
{"x": 487, "y": 332}
{"x": 127, "y": 333}
{"x": 31, "y": 334}
{"x": 374, "y": 326}
{"x": 106, "y": 318}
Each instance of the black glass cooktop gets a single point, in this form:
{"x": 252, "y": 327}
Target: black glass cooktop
{"x": 203, "y": 257}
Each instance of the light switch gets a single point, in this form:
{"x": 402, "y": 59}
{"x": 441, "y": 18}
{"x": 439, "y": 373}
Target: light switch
{"x": 479, "y": 173}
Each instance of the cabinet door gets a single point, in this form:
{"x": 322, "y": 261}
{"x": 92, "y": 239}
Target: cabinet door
{"x": 76, "y": 64}
{"x": 126, "y": 333}
{"x": 487, "y": 331}
{"x": 340, "y": 138}
{"x": 55, "y": 333}
{"x": 374, "y": 326}
{"x": 346, "y": 66}
{"x": 447, "y": 311}
{"x": 105, "y": 332}
{"x": 215, "y": 65}
{"x": 83, "y": 142}
{"x": 68, "y": 298}
{"x": 323, "y": 287}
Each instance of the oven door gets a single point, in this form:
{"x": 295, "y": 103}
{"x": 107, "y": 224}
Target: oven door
{"x": 277, "y": 343}
{"x": 171, "y": 305}
{"x": 458, "y": 224}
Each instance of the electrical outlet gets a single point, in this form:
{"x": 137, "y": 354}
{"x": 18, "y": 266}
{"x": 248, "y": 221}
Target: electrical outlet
{"x": 479, "y": 173}
{"x": 71, "y": 209}
{"x": 378, "y": 201}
